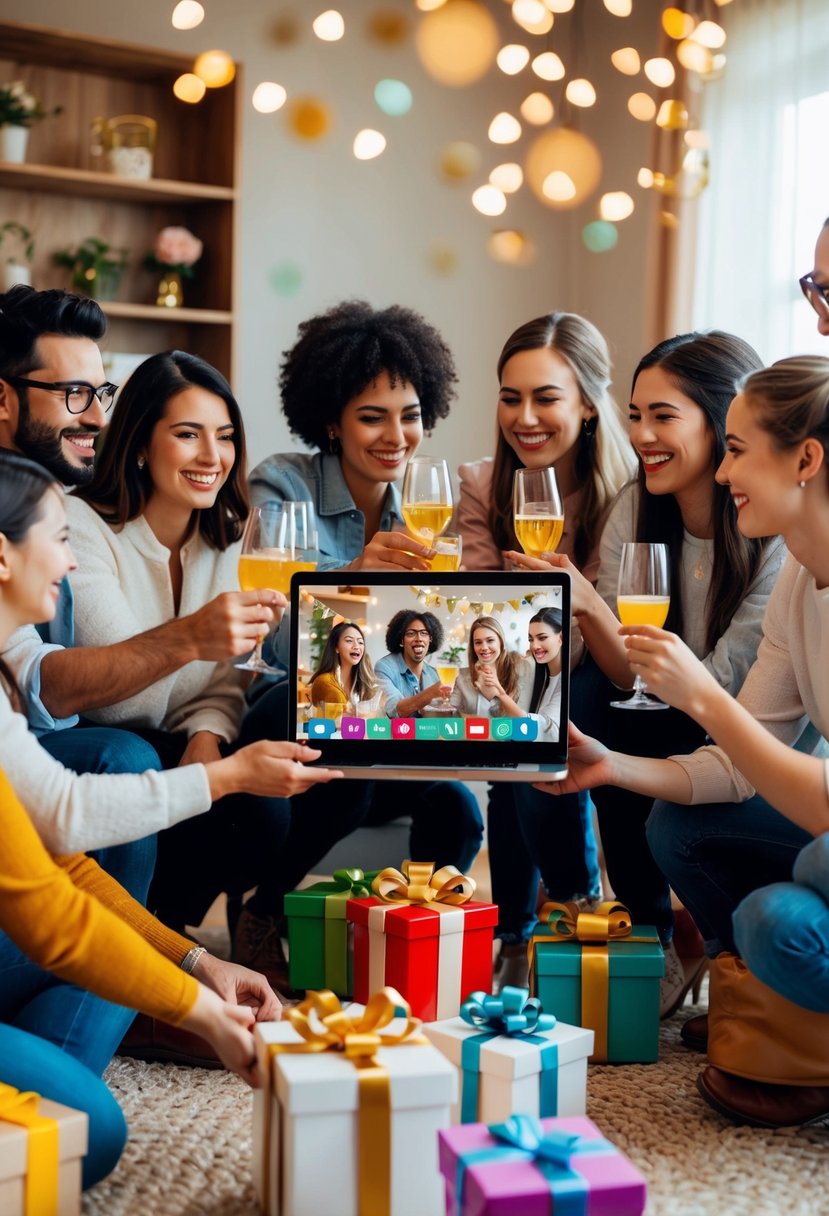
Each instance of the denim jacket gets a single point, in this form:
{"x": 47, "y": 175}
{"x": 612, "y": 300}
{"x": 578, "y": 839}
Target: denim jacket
{"x": 294, "y": 476}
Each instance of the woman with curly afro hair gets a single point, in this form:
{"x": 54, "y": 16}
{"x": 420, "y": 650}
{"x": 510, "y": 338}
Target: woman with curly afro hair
{"x": 360, "y": 386}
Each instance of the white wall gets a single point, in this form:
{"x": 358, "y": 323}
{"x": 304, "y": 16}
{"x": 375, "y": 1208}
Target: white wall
{"x": 365, "y": 229}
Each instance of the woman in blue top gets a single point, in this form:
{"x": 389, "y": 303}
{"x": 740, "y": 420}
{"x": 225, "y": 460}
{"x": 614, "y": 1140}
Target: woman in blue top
{"x": 360, "y": 386}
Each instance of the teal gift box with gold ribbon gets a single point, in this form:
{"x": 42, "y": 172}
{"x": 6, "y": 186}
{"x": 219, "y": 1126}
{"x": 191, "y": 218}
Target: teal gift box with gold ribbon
{"x": 597, "y": 970}
{"x": 318, "y": 946}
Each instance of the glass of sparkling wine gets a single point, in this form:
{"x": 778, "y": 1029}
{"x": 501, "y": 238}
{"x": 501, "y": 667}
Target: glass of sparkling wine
{"x": 643, "y": 598}
{"x": 538, "y": 513}
{"x": 427, "y": 497}
{"x": 449, "y": 549}
{"x": 280, "y": 539}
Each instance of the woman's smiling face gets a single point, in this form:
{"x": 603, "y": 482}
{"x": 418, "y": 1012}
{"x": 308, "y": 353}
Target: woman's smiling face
{"x": 350, "y": 647}
{"x": 545, "y": 642}
{"x": 540, "y": 407}
{"x": 380, "y": 431}
{"x": 486, "y": 644}
{"x": 671, "y": 435}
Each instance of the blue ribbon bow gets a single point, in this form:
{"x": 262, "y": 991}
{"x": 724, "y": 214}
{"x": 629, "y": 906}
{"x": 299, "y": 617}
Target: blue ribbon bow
{"x": 552, "y": 1152}
{"x": 517, "y": 1014}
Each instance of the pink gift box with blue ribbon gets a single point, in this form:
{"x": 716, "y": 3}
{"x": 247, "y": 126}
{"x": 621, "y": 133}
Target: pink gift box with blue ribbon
{"x": 547, "y": 1167}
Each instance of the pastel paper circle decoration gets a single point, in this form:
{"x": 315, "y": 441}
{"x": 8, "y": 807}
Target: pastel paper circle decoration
{"x": 309, "y": 118}
{"x": 329, "y": 26}
{"x": 458, "y": 42}
{"x": 508, "y": 177}
{"x": 284, "y": 30}
{"x": 600, "y": 236}
{"x": 548, "y": 66}
{"x": 369, "y": 144}
{"x": 187, "y": 15}
{"x": 559, "y": 157}
{"x": 443, "y": 259}
{"x": 268, "y": 97}
{"x": 642, "y": 106}
{"x": 626, "y": 60}
{"x": 189, "y": 88}
{"x": 215, "y": 68}
{"x": 510, "y": 247}
{"x": 489, "y": 200}
{"x": 388, "y": 27}
{"x": 537, "y": 109}
{"x": 393, "y": 97}
{"x": 459, "y": 160}
{"x": 615, "y": 205}
{"x": 286, "y": 279}
{"x": 504, "y": 128}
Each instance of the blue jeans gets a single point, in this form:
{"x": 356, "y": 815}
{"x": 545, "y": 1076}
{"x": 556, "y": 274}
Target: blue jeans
{"x": 57, "y": 1038}
{"x": 782, "y": 931}
{"x": 446, "y": 823}
{"x": 715, "y": 855}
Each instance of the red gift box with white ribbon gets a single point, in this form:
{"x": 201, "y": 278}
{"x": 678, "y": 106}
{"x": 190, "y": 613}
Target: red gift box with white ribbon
{"x": 427, "y": 939}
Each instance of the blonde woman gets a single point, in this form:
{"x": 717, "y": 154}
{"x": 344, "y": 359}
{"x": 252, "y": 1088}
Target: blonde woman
{"x": 497, "y": 681}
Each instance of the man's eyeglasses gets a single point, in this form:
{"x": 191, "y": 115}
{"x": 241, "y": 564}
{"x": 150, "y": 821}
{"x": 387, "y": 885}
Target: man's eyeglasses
{"x": 411, "y": 634}
{"x": 817, "y": 294}
{"x": 78, "y": 394}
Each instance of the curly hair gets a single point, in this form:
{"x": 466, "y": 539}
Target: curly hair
{"x": 401, "y": 621}
{"x": 342, "y": 351}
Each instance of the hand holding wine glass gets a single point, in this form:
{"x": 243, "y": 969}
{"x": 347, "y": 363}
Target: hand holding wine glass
{"x": 427, "y": 497}
{"x": 279, "y": 540}
{"x": 538, "y": 513}
{"x": 643, "y": 598}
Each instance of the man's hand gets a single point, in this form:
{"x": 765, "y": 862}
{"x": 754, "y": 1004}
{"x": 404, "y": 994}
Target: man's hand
{"x": 230, "y": 624}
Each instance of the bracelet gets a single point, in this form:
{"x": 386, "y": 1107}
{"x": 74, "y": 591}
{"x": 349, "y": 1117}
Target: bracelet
{"x": 191, "y": 958}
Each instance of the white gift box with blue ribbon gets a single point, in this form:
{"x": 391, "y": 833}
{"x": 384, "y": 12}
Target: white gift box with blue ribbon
{"x": 511, "y": 1057}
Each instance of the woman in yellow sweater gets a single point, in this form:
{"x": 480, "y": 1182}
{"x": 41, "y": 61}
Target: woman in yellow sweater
{"x": 53, "y": 912}
{"x": 345, "y": 674}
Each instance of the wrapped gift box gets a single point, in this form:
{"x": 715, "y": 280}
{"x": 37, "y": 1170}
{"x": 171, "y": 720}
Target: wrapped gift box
{"x": 58, "y": 1182}
{"x": 610, "y": 987}
{"x": 433, "y": 958}
{"x": 539, "y": 1071}
{"x": 319, "y": 954}
{"x": 561, "y": 1165}
{"x": 306, "y": 1128}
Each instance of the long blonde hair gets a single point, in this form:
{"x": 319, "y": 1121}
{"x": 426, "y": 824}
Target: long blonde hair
{"x": 508, "y": 661}
{"x": 604, "y": 461}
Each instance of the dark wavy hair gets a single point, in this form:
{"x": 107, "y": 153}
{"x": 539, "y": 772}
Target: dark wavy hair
{"x": 23, "y": 489}
{"x": 554, "y": 618}
{"x": 340, "y": 352}
{"x": 709, "y": 368}
{"x": 401, "y": 621}
{"x": 120, "y": 490}
{"x": 363, "y": 682}
{"x": 26, "y": 315}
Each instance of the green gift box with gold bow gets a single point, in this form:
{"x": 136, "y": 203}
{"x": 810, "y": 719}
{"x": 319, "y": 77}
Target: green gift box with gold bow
{"x": 596, "y": 969}
{"x": 319, "y": 955}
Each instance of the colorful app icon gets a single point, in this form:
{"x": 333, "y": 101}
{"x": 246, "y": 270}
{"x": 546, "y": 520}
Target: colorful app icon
{"x": 477, "y": 728}
{"x": 320, "y": 728}
{"x": 427, "y": 728}
{"x": 353, "y": 728}
{"x": 524, "y": 728}
{"x": 450, "y": 728}
{"x": 378, "y": 728}
{"x": 501, "y": 728}
{"x": 403, "y": 728}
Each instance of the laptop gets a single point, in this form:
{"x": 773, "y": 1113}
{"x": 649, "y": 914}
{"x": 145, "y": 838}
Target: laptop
{"x": 457, "y": 734}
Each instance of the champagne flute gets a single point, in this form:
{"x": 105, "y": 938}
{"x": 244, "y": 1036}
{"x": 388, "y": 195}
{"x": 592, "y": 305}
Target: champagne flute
{"x": 279, "y": 540}
{"x": 538, "y": 513}
{"x": 643, "y": 598}
{"x": 427, "y": 497}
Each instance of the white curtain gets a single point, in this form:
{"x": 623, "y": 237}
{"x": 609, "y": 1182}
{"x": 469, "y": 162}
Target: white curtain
{"x": 769, "y": 192}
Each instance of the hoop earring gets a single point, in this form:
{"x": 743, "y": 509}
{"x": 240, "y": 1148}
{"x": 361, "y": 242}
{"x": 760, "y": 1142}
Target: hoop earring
{"x": 141, "y": 462}
{"x": 589, "y": 426}
{"x": 334, "y": 445}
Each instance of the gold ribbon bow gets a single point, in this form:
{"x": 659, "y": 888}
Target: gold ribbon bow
{"x": 420, "y": 883}
{"x": 358, "y": 1038}
{"x": 609, "y": 922}
{"x": 41, "y": 1186}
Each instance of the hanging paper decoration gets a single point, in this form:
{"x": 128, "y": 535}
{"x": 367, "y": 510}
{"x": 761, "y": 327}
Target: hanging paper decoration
{"x": 488, "y": 606}
{"x": 514, "y": 604}
{"x": 450, "y": 604}
{"x": 499, "y": 607}
{"x": 309, "y": 118}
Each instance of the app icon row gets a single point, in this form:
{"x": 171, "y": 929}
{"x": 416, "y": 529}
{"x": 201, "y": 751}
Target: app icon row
{"x": 425, "y": 728}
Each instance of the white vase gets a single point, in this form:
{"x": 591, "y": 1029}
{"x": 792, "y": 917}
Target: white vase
{"x": 13, "y": 144}
{"x": 16, "y": 272}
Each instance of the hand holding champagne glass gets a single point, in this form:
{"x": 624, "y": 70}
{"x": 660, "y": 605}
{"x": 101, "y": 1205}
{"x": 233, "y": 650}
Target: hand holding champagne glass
{"x": 538, "y": 513}
{"x": 279, "y": 540}
{"x": 448, "y": 552}
{"x": 427, "y": 497}
{"x": 643, "y": 598}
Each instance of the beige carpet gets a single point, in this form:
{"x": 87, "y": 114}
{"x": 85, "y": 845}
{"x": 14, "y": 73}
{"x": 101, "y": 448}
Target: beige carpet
{"x": 189, "y": 1150}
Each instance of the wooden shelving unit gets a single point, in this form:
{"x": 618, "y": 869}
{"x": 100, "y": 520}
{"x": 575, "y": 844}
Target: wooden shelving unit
{"x": 62, "y": 197}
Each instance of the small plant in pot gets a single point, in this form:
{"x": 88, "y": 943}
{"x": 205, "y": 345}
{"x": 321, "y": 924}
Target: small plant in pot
{"x": 18, "y": 249}
{"x": 96, "y": 267}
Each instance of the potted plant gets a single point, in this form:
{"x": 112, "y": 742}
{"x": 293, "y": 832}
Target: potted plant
{"x": 19, "y": 109}
{"x": 18, "y": 262}
{"x": 174, "y": 254}
{"x": 96, "y": 267}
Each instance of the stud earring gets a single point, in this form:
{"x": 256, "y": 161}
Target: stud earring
{"x": 802, "y": 485}
{"x": 141, "y": 462}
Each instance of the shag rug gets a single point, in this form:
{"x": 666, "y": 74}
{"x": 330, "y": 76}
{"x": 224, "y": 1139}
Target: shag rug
{"x": 189, "y": 1149}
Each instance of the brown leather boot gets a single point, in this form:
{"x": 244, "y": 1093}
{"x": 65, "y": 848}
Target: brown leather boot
{"x": 150, "y": 1039}
{"x": 694, "y": 1032}
{"x": 257, "y": 944}
{"x": 760, "y": 1104}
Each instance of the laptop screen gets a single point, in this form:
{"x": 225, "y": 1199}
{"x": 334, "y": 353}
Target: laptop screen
{"x": 450, "y": 669}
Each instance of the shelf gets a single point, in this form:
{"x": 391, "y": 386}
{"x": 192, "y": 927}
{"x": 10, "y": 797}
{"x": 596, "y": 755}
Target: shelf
{"x": 152, "y": 312}
{"x": 84, "y": 183}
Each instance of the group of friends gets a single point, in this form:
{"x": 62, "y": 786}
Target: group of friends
{"x": 142, "y": 776}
